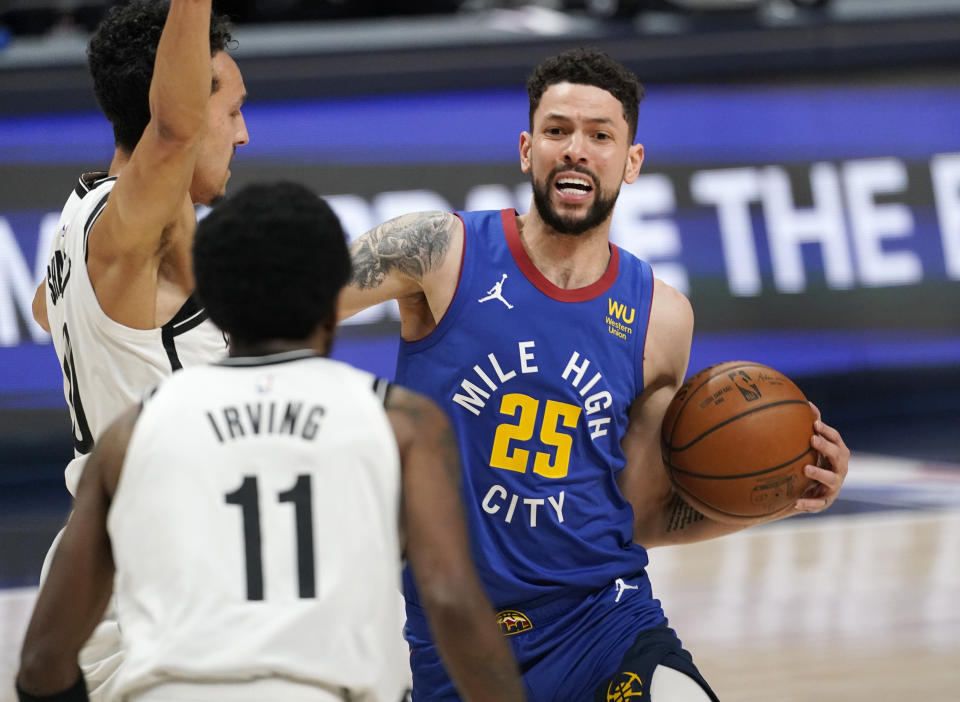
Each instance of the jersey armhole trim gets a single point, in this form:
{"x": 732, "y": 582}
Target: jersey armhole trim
{"x": 189, "y": 316}
{"x": 91, "y": 220}
{"x": 382, "y": 388}
{"x": 647, "y": 293}
{"x": 453, "y": 309}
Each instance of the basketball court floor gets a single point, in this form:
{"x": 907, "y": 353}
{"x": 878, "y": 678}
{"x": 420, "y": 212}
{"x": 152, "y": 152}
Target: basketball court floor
{"x": 860, "y": 604}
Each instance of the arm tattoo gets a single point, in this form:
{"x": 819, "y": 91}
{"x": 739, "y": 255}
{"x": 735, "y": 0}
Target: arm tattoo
{"x": 681, "y": 514}
{"x": 412, "y": 244}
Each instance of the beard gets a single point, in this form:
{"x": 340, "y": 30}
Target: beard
{"x": 599, "y": 211}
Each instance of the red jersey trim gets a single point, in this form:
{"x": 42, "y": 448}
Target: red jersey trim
{"x": 537, "y": 278}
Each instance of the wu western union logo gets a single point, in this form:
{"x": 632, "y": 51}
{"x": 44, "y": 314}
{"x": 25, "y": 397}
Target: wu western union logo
{"x": 619, "y": 318}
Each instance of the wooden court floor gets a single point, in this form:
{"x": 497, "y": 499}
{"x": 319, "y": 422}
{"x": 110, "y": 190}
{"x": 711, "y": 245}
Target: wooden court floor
{"x": 858, "y": 606}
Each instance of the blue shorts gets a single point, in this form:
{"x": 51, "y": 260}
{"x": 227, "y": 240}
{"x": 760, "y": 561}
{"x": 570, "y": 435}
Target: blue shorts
{"x": 568, "y": 649}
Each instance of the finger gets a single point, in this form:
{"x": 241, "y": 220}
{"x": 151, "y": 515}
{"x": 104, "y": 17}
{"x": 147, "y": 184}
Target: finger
{"x": 829, "y": 478}
{"x": 816, "y": 411}
{"x": 811, "y": 505}
{"x": 833, "y": 453}
{"x": 827, "y": 431}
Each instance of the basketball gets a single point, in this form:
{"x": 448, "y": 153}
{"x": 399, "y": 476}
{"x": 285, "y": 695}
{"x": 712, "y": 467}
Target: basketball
{"x": 735, "y": 439}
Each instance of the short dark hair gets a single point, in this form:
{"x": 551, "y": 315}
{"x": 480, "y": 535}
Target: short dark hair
{"x": 588, "y": 67}
{"x": 120, "y": 57}
{"x": 269, "y": 263}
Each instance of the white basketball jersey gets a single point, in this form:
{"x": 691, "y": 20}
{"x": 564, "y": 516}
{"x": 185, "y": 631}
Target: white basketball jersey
{"x": 107, "y": 366}
{"x": 255, "y": 530}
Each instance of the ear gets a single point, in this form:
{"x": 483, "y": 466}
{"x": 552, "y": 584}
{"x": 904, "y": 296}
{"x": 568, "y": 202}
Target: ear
{"x": 526, "y": 142}
{"x": 634, "y": 161}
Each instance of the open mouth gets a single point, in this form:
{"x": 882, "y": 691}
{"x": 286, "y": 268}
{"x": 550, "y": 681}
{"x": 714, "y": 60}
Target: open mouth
{"x": 573, "y": 187}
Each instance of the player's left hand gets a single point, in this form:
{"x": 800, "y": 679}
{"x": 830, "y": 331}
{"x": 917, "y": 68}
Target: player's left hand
{"x": 830, "y": 470}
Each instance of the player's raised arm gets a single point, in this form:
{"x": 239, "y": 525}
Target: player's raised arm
{"x": 150, "y": 201}
{"x": 414, "y": 258}
{"x": 460, "y": 616}
{"x": 73, "y": 597}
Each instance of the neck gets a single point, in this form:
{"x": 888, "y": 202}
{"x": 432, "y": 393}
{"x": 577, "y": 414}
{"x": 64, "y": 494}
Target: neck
{"x": 568, "y": 261}
{"x": 120, "y": 158}
{"x": 319, "y": 342}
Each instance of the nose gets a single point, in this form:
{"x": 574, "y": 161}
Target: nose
{"x": 574, "y": 151}
{"x": 242, "y": 136}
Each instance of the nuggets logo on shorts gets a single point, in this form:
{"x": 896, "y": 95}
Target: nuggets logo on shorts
{"x": 513, "y": 622}
{"x": 624, "y": 686}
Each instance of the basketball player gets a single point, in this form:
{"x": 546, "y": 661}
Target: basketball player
{"x": 118, "y": 289}
{"x": 556, "y": 354}
{"x": 224, "y": 592}
{"x": 117, "y": 295}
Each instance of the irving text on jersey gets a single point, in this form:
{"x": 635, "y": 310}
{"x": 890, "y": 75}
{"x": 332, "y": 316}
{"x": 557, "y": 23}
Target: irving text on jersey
{"x": 257, "y": 418}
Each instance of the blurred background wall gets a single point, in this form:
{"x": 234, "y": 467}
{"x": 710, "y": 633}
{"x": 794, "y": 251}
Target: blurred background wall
{"x": 801, "y": 182}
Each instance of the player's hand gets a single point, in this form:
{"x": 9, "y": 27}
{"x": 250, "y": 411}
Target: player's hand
{"x": 830, "y": 470}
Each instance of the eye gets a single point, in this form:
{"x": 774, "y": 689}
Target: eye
{"x": 554, "y": 131}
{"x": 602, "y": 136}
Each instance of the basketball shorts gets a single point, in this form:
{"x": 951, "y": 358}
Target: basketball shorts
{"x": 569, "y": 650}
{"x": 249, "y": 691}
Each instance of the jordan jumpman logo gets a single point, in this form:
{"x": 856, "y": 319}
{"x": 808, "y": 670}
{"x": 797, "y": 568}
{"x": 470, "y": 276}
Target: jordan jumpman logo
{"x": 495, "y": 293}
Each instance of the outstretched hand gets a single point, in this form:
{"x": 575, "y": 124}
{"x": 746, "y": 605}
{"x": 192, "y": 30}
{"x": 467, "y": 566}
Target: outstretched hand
{"x": 830, "y": 470}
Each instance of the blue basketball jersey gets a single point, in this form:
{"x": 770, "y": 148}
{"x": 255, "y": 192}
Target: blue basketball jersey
{"x": 538, "y": 382}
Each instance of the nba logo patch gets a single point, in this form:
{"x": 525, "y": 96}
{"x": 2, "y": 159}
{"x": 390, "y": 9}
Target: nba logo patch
{"x": 513, "y": 622}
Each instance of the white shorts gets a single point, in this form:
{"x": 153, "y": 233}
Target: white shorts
{"x": 252, "y": 691}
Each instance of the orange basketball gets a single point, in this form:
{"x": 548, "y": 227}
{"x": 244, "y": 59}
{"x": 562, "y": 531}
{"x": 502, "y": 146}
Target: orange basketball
{"x": 735, "y": 439}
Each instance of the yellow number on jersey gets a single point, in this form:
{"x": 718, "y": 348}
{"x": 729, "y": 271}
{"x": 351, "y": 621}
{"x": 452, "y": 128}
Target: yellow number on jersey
{"x": 554, "y": 414}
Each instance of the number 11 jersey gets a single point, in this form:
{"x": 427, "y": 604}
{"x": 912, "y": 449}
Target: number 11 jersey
{"x": 255, "y": 530}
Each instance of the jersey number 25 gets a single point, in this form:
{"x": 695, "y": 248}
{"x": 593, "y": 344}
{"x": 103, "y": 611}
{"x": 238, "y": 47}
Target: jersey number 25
{"x": 526, "y": 409}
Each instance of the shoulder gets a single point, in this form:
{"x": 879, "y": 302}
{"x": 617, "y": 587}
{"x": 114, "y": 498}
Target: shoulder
{"x": 88, "y": 182}
{"x": 414, "y": 416}
{"x": 87, "y": 198}
{"x": 411, "y": 245}
{"x": 431, "y": 223}
{"x": 416, "y": 407}
{"x": 111, "y": 448}
{"x": 669, "y": 334}
{"x": 670, "y": 303}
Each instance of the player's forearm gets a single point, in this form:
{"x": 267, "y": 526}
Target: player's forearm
{"x": 675, "y": 522}
{"x": 45, "y": 669}
{"x": 474, "y": 651}
{"x": 354, "y": 299}
{"x": 182, "y": 73}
